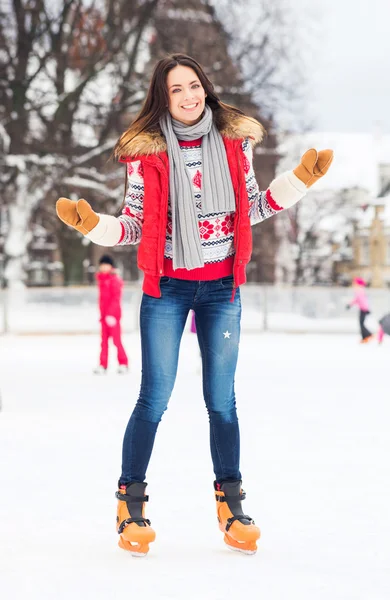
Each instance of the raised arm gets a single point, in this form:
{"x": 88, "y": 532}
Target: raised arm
{"x": 106, "y": 230}
{"x": 286, "y": 189}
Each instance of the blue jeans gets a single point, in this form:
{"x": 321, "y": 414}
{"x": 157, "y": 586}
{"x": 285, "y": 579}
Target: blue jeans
{"x": 162, "y": 323}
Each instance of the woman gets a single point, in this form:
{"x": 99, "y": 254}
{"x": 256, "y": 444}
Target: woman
{"x": 190, "y": 202}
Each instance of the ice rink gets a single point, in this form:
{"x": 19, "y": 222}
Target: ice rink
{"x": 315, "y": 423}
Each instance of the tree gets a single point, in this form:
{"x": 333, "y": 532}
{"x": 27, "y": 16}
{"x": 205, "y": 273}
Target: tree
{"x": 309, "y": 232}
{"x": 69, "y": 71}
{"x": 266, "y": 45}
{"x": 74, "y": 72}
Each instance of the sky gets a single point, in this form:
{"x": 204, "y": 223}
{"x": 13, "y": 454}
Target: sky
{"x": 348, "y": 64}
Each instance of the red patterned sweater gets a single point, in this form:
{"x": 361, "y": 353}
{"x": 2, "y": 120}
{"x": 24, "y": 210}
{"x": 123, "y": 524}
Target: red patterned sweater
{"x": 215, "y": 230}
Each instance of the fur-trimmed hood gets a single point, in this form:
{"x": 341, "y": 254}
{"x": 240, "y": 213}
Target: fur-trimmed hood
{"x": 231, "y": 125}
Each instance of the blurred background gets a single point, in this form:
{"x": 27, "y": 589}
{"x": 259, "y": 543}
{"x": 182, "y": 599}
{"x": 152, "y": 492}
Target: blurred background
{"x": 73, "y": 75}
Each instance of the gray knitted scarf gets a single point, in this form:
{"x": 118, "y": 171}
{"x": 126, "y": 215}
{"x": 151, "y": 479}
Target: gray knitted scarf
{"x": 217, "y": 188}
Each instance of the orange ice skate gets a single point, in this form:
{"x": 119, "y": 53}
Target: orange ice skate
{"x": 135, "y": 532}
{"x": 240, "y": 530}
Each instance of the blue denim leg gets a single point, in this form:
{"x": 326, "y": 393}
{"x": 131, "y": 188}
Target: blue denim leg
{"x": 162, "y": 324}
{"x": 162, "y": 321}
{"x": 218, "y": 327}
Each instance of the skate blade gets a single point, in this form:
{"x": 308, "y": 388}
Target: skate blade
{"x": 243, "y": 547}
{"x": 241, "y": 551}
{"x": 136, "y": 550}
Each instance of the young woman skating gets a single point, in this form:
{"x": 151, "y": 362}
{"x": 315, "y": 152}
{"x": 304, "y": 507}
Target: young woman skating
{"x": 191, "y": 200}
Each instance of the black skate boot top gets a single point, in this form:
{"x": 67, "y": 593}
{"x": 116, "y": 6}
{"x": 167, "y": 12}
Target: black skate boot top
{"x": 232, "y": 491}
{"x": 135, "y": 498}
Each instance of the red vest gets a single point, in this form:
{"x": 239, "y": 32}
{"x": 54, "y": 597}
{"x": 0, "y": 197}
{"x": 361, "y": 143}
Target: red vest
{"x": 155, "y": 212}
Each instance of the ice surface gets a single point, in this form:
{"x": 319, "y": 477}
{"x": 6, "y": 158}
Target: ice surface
{"x": 74, "y": 310}
{"x": 314, "y": 413}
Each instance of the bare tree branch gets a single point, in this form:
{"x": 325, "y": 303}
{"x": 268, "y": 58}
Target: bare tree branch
{"x": 64, "y": 62}
{"x": 265, "y": 47}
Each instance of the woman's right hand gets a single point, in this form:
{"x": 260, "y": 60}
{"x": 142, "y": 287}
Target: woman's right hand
{"x": 78, "y": 215}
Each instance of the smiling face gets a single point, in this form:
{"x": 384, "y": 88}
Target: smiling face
{"x": 186, "y": 95}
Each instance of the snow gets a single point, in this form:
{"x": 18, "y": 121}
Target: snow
{"x": 314, "y": 418}
{"x": 80, "y": 160}
{"x": 143, "y": 56}
{"x": 19, "y": 212}
{"x": 88, "y": 184}
{"x": 5, "y": 140}
{"x": 189, "y": 14}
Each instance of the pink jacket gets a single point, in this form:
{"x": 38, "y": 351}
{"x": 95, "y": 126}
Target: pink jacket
{"x": 110, "y": 295}
{"x": 360, "y": 299}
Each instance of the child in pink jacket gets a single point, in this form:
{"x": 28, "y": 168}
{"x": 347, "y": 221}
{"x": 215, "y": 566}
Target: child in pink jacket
{"x": 361, "y": 301}
{"x": 110, "y": 299}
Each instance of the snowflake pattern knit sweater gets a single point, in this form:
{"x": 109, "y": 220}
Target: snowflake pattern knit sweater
{"x": 215, "y": 230}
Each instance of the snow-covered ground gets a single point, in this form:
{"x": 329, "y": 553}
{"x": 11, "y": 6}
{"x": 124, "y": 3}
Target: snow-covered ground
{"x": 315, "y": 415}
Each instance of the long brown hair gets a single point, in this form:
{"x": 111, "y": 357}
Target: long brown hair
{"x": 157, "y": 99}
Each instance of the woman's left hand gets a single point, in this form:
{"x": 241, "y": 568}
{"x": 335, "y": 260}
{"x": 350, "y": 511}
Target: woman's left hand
{"x": 313, "y": 166}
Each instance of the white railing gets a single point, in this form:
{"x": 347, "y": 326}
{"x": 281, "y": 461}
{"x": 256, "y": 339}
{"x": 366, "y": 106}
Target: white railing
{"x": 74, "y": 310}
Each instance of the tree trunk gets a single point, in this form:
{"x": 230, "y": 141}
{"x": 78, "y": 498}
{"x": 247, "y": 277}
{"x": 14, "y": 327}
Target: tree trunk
{"x": 18, "y": 235}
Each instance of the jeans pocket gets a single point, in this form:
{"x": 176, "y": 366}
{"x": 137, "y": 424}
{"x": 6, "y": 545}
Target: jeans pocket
{"x": 226, "y": 282}
{"x": 164, "y": 279}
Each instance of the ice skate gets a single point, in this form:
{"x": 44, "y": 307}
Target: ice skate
{"x": 100, "y": 370}
{"x": 240, "y": 530}
{"x": 366, "y": 340}
{"x": 135, "y": 532}
{"x": 123, "y": 369}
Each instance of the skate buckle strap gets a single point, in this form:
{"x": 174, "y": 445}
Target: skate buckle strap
{"x": 128, "y": 521}
{"x": 231, "y": 520}
{"x": 127, "y": 498}
{"x": 242, "y": 496}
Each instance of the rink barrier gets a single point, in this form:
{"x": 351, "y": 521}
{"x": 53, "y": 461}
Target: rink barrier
{"x": 74, "y": 310}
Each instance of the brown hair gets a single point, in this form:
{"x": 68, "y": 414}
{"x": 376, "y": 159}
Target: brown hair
{"x": 157, "y": 99}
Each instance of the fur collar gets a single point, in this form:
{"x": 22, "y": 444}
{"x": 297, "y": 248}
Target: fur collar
{"x": 232, "y": 126}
